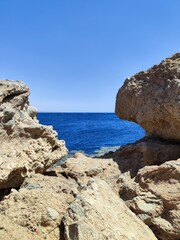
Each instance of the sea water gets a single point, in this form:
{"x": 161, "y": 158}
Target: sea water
{"x": 92, "y": 133}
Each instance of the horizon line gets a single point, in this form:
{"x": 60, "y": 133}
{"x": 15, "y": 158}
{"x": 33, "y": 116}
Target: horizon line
{"x": 71, "y": 112}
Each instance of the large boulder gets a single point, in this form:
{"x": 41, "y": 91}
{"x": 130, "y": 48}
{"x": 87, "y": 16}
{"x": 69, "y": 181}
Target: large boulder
{"x": 152, "y": 99}
{"x": 26, "y": 145}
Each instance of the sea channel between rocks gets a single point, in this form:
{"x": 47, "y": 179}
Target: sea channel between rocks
{"x": 130, "y": 193}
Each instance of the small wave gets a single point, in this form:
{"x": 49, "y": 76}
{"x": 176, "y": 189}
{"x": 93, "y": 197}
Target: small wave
{"x": 99, "y": 152}
{"x": 104, "y": 150}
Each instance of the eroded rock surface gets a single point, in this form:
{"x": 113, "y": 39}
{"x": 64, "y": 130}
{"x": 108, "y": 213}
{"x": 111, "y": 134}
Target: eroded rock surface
{"x": 26, "y": 145}
{"x": 61, "y": 207}
{"x": 150, "y": 179}
{"x": 39, "y": 205}
{"x": 145, "y": 152}
{"x": 154, "y": 195}
{"x": 81, "y": 168}
{"x": 98, "y": 213}
{"x": 152, "y": 99}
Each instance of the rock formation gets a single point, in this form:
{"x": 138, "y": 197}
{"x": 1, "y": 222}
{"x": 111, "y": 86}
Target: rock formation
{"x": 40, "y": 204}
{"x": 150, "y": 173}
{"x": 134, "y": 191}
{"x": 77, "y": 200}
{"x": 155, "y": 197}
{"x": 82, "y": 168}
{"x": 145, "y": 152}
{"x": 98, "y": 213}
{"x": 152, "y": 99}
{"x": 26, "y": 145}
{"x": 73, "y": 206}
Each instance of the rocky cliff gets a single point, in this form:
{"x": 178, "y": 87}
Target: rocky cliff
{"x": 26, "y": 145}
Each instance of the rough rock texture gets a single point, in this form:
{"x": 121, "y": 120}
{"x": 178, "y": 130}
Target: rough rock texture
{"x": 26, "y": 145}
{"x": 82, "y": 168}
{"x": 154, "y": 195}
{"x": 147, "y": 151}
{"x": 12, "y": 231}
{"x": 150, "y": 179}
{"x": 57, "y": 207}
{"x": 152, "y": 99}
{"x": 150, "y": 183}
{"x": 98, "y": 213}
{"x": 39, "y": 205}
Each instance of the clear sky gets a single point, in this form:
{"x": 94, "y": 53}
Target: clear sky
{"x": 75, "y": 54}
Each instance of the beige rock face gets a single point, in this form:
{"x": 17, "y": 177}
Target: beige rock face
{"x": 26, "y": 145}
{"x": 39, "y": 205}
{"x": 145, "y": 152}
{"x": 82, "y": 168}
{"x": 150, "y": 182}
{"x": 98, "y": 213}
{"x": 152, "y": 99}
{"x": 154, "y": 195}
{"x": 57, "y": 207}
{"x": 11, "y": 231}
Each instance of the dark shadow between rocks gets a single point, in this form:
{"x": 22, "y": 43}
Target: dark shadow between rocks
{"x": 147, "y": 151}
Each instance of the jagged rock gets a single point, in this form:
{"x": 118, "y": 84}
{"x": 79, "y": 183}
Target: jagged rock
{"x": 82, "y": 168}
{"x": 154, "y": 195}
{"x": 58, "y": 207}
{"x": 39, "y": 205}
{"x": 150, "y": 182}
{"x": 152, "y": 99}
{"x": 147, "y": 151}
{"x": 26, "y": 145}
{"x": 98, "y": 213}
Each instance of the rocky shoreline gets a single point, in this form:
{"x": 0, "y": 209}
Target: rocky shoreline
{"x": 132, "y": 193}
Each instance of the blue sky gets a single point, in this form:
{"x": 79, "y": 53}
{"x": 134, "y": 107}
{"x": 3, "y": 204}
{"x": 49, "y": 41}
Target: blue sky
{"x": 75, "y": 54}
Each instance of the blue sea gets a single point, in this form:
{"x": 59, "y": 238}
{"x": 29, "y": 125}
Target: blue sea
{"x": 92, "y": 133}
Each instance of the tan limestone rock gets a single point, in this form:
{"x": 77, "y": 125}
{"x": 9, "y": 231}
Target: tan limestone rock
{"x": 26, "y": 145}
{"x": 82, "y": 168}
{"x": 147, "y": 151}
{"x": 12, "y": 231}
{"x": 151, "y": 98}
{"x": 98, "y": 213}
{"x": 40, "y": 204}
{"x": 154, "y": 195}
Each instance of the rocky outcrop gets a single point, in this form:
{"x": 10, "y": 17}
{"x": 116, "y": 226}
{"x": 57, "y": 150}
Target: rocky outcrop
{"x": 145, "y": 152}
{"x": 150, "y": 173}
{"x": 152, "y": 99}
{"x": 155, "y": 197}
{"x": 98, "y": 213}
{"x": 82, "y": 168}
{"x": 93, "y": 198}
{"x": 61, "y": 207}
{"x": 149, "y": 183}
{"x": 26, "y": 145}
